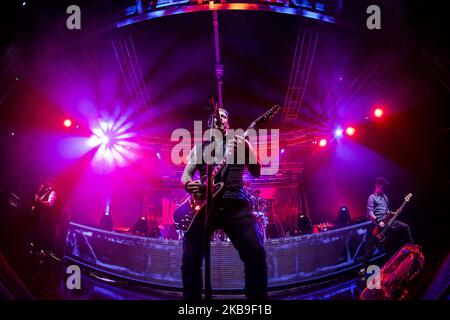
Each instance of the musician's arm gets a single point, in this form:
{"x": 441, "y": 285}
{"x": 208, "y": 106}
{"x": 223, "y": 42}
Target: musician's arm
{"x": 189, "y": 171}
{"x": 370, "y": 207}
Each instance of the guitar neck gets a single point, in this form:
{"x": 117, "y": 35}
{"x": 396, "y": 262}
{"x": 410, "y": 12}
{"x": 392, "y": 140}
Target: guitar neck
{"x": 224, "y": 160}
{"x": 400, "y": 209}
{"x": 396, "y": 215}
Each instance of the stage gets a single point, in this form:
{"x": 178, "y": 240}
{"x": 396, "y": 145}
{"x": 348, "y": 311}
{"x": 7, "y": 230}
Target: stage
{"x": 292, "y": 261}
{"x": 321, "y": 127}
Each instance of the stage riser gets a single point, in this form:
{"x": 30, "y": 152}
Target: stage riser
{"x": 290, "y": 260}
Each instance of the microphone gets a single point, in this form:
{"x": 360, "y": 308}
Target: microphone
{"x": 213, "y": 107}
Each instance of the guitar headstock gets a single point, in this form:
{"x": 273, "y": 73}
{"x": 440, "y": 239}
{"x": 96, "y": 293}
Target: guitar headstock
{"x": 268, "y": 114}
{"x": 408, "y": 197}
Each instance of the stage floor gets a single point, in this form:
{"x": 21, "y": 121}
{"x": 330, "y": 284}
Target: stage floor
{"x": 46, "y": 279}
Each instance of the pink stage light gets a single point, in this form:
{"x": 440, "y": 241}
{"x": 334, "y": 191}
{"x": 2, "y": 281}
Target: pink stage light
{"x": 378, "y": 112}
{"x": 322, "y": 143}
{"x": 350, "y": 131}
{"x": 113, "y": 142}
{"x": 67, "y": 123}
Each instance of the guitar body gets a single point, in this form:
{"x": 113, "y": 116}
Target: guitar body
{"x": 185, "y": 214}
{"x": 380, "y": 233}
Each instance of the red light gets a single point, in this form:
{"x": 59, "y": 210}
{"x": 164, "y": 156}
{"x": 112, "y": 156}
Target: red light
{"x": 350, "y": 131}
{"x": 378, "y": 112}
{"x": 197, "y": 207}
{"x": 322, "y": 143}
{"x": 67, "y": 123}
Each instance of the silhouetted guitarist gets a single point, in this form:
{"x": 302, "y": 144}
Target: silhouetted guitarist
{"x": 43, "y": 218}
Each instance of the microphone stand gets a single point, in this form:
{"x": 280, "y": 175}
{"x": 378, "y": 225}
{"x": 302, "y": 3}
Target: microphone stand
{"x": 208, "y": 206}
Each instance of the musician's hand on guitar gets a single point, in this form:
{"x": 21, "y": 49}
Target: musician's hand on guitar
{"x": 194, "y": 187}
{"x": 236, "y": 142}
{"x": 240, "y": 140}
{"x": 381, "y": 224}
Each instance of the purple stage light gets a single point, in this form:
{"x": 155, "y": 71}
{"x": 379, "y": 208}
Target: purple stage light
{"x": 112, "y": 140}
{"x": 282, "y": 151}
{"x": 338, "y": 133}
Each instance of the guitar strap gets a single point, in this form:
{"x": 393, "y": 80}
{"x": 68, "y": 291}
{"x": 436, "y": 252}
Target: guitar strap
{"x": 386, "y": 200}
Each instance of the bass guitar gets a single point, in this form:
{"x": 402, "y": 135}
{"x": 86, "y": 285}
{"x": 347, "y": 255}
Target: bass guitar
{"x": 380, "y": 233}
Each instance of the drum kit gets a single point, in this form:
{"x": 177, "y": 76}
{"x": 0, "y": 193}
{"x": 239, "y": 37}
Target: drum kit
{"x": 260, "y": 208}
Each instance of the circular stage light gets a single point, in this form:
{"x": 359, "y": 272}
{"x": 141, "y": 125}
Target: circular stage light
{"x": 378, "y": 112}
{"x": 338, "y": 133}
{"x": 67, "y": 123}
{"x": 350, "y": 131}
{"x": 322, "y": 143}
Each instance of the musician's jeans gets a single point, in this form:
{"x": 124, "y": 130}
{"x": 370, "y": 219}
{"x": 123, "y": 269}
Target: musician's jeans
{"x": 398, "y": 235}
{"x": 235, "y": 218}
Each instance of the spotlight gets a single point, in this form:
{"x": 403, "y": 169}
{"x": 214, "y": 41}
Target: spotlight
{"x": 350, "y": 131}
{"x": 282, "y": 151}
{"x": 140, "y": 227}
{"x": 338, "y": 133}
{"x": 104, "y": 139}
{"x": 158, "y": 155}
{"x": 67, "y": 123}
{"x": 112, "y": 141}
{"x": 304, "y": 225}
{"x": 378, "y": 112}
{"x": 322, "y": 142}
{"x": 106, "y": 222}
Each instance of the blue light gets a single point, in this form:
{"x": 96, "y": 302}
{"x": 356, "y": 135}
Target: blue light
{"x": 338, "y": 133}
{"x": 107, "y": 207}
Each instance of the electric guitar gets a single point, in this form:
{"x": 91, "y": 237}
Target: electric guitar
{"x": 185, "y": 214}
{"x": 380, "y": 233}
{"x": 39, "y": 197}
